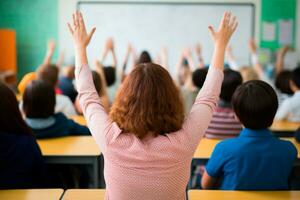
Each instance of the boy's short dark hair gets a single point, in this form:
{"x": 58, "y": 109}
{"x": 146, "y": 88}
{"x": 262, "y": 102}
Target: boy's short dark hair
{"x": 49, "y": 74}
{"x": 296, "y": 77}
{"x": 255, "y": 104}
{"x": 39, "y": 99}
{"x": 282, "y": 82}
{"x": 198, "y": 77}
{"x": 110, "y": 75}
{"x": 232, "y": 79}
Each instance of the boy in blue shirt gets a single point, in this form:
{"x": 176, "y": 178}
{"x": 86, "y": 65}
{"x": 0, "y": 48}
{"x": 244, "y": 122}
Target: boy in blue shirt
{"x": 255, "y": 160}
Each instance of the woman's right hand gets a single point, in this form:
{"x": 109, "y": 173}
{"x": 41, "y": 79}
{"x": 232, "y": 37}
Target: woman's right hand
{"x": 227, "y": 27}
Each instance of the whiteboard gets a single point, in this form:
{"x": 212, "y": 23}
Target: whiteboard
{"x": 150, "y": 26}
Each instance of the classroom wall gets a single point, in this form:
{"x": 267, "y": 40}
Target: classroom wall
{"x": 38, "y": 20}
{"x": 35, "y": 21}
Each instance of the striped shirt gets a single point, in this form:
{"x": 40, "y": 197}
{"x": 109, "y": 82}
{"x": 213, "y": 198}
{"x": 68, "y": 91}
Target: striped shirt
{"x": 224, "y": 123}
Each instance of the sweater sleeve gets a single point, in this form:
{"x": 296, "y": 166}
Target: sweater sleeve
{"x": 198, "y": 119}
{"x": 101, "y": 127}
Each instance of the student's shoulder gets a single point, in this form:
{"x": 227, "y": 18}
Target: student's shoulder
{"x": 287, "y": 146}
{"x": 227, "y": 145}
{"x": 60, "y": 117}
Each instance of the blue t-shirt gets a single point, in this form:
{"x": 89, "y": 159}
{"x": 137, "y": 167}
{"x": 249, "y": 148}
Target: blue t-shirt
{"x": 253, "y": 161}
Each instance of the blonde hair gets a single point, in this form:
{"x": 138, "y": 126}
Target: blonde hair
{"x": 248, "y": 73}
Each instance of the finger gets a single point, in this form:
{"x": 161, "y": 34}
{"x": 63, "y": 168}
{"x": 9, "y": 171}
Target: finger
{"x": 223, "y": 19}
{"x": 235, "y": 26}
{"x": 77, "y": 19}
{"x": 81, "y": 21}
{"x": 211, "y": 30}
{"x": 228, "y": 19}
{"x": 232, "y": 22}
{"x": 70, "y": 28}
{"x": 91, "y": 33}
{"x": 74, "y": 20}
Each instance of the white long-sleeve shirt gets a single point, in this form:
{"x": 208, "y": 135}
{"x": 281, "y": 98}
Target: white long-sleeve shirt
{"x": 290, "y": 109}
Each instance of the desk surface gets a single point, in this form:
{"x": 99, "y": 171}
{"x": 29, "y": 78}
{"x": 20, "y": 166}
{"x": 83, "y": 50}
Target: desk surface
{"x": 285, "y": 126}
{"x": 31, "y": 194}
{"x": 84, "y": 194}
{"x": 244, "y": 195}
{"x": 206, "y": 147}
{"x": 69, "y": 146}
{"x": 79, "y": 119}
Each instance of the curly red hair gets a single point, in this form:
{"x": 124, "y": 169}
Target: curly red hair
{"x": 148, "y": 102}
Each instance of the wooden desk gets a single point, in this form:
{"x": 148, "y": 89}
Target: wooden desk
{"x": 284, "y": 126}
{"x": 243, "y": 195}
{"x": 79, "y": 119}
{"x": 206, "y": 147}
{"x": 31, "y": 194}
{"x": 84, "y": 194}
{"x": 72, "y": 150}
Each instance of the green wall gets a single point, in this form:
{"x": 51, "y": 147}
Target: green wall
{"x": 35, "y": 21}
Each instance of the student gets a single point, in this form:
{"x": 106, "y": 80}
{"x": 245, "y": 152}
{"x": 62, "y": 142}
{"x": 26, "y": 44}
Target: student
{"x": 190, "y": 93}
{"x": 110, "y": 70}
{"x": 38, "y": 106}
{"x": 65, "y": 82}
{"x": 224, "y": 123}
{"x": 47, "y": 61}
{"x": 290, "y": 107}
{"x": 49, "y": 74}
{"x": 256, "y": 160}
{"x": 147, "y": 145}
{"x": 21, "y": 162}
{"x": 100, "y": 86}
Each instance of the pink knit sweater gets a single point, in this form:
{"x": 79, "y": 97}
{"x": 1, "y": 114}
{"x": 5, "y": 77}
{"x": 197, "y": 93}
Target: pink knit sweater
{"x": 154, "y": 168}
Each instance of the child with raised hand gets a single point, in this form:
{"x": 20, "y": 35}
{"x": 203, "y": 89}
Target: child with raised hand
{"x": 146, "y": 142}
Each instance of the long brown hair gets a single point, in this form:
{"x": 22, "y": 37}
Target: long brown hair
{"x": 11, "y": 120}
{"x": 148, "y": 101}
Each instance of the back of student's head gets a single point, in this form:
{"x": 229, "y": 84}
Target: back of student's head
{"x": 69, "y": 72}
{"x": 148, "y": 101}
{"x": 198, "y": 77}
{"x": 110, "y": 75}
{"x": 39, "y": 100}
{"x": 232, "y": 79}
{"x": 296, "y": 77}
{"x": 255, "y": 104}
{"x": 248, "y": 73}
{"x": 144, "y": 57}
{"x": 49, "y": 74}
{"x": 97, "y": 81}
{"x": 282, "y": 82}
{"x": 11, "y": 120}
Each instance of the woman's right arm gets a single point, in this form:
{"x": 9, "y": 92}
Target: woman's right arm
{"x": 97, "y": 119}
{"x": 200, "y": 116}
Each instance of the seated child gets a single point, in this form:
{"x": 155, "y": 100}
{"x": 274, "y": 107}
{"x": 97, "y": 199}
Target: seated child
{"x": 49, "y": 74}
{"x": 256, "y": 160}
{"x": 65, "y": 83}
{"x": 21, "y": 161}
{"x": 38, "y": 106}
{"x": 189, "y": 95}
{"x": 290, "y": 107}
{"x": 224, "y": 124}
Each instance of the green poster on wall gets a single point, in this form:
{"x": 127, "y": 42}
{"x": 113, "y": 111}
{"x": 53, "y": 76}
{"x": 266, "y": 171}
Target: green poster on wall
{"x": 278, "y": 23}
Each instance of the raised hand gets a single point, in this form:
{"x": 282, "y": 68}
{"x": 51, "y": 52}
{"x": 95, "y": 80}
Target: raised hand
{"x": 109, "y": 44}
{"x": 227, "y": 27}
{"x": 80, "y": 36}
{"x": 51, "y": 45}
{"x": 252, "y": 46}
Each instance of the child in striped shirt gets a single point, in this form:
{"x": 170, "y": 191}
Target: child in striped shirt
{"x": 224, "y": 124}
